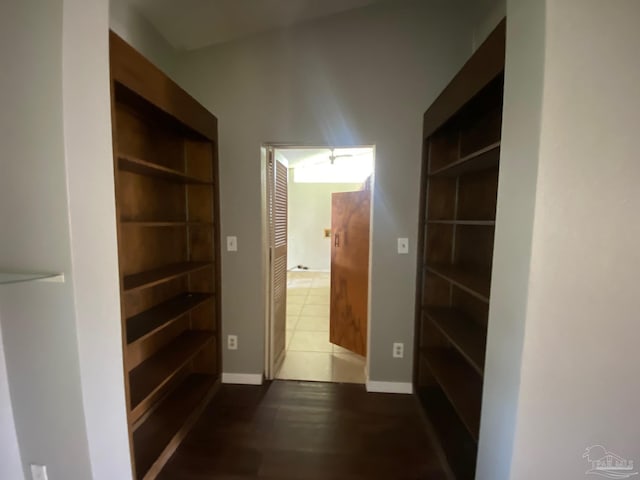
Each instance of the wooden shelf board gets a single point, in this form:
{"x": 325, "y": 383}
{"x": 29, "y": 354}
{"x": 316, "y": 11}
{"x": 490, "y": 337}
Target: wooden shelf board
{"x": 133, "y": 164}
{"x": 461, "y": 385}
{"x": 159, "y": 223}
{"x": 156, "y": 438}
{"x": 150, "y": 278}
{"x": 465, "y": 335}
{"x": 480, "y": 223}
{"x": 152, "y": 374}
{"x": 484, "y": 159}
{"x": 150, "y": 321}
{"x": 475, "y": 282}
{"x": 460, "y": 449}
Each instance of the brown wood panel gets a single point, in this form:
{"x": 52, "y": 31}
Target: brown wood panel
{"x": 441, "y": 198}
{"x": 477, "y": 283}
{"x": 152, "y": 320}
{"x": 477, "y": 196}
{"x": 147, "y": 199}
{"x": 485, "y": 158}
{"x": 201, "y": 205}
{"x": 142, "y": 350}
{"x": 439, "y": 243}
{"x": 143, "y": 138}
{"x": 474, "y": 246}
{"x": 133, "y": 70}
{"x": 485, "y": 64}
{"x": 462, "y": 385}
{"x": 151, "y": 375}
{"x": 149, "y": 248}
{"x": 157, "y": 437}
{"x": 137, "y": 301}
{"x": 474, "y": 308}
{"x": 160, "y": 275}
{"x": 444, "y": 148}
{"x": 464, "y": 334}
{"x": 144, "y": 167}
{"x": 459, "y": 448}
{"x": 198, "y": 157}
{"x": 349, "y": 292}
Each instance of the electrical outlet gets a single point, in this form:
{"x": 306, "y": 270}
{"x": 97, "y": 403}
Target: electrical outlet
{"x": 398, "y": 350}
{"x": 232, "y": 342}
{"x": 232, "y": 244}
{"x": 39, "y": 472}
{"x": 403, "y": 246}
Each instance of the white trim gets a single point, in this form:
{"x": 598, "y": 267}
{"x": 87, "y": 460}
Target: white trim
{"x": 242, "y": 378}
{"x": 389, "y": 387}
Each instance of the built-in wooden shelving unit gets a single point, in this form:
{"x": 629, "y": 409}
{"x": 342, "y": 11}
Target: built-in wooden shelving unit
{"x": 461, "y": 154}
{"x": 166, "y": 179}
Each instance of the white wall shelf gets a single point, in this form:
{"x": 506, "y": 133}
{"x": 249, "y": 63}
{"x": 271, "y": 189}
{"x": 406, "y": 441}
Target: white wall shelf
{"x": 14, "y": 277}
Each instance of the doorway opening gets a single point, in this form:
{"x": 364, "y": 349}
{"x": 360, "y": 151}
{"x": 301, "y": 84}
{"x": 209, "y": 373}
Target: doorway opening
{"x": 319, "y": 229}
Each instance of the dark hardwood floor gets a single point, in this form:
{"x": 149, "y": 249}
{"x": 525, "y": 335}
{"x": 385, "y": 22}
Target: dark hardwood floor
{"x": 306, "y": 430}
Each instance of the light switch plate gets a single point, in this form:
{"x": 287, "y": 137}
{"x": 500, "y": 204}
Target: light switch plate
{"x": 403, "y": 246}
{"x": 232, "y": 244}
{"x": 39, "y": 472}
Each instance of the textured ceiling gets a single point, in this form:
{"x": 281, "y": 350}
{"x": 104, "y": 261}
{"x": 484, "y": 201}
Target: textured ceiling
{"x": 192, "y": 24}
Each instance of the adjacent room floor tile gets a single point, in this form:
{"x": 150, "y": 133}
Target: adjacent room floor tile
{"x": 310, "y": 342}
{"x": 313, "y": 324}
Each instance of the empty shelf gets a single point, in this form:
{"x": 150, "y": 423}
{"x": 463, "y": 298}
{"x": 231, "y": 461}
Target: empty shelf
{"x": 461, "y": 385}
{"x": 166, "y": 425}
{"x": 483, "y": 159}
{"x": 142, "y": 167}
{"x": 467, "y": 337}
{"x": 148, "y": 377}
{"x": 474, "y": 281}
{"x": 145, "y": 323}
{"x": 161, "y": 275}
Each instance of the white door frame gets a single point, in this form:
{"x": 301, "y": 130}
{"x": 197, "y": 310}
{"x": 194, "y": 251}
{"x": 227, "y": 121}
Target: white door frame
{"x": 267, "y": 265}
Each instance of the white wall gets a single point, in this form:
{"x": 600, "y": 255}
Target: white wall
{"x": 10, "y": 465}
{"x": 89, "y": 168}
{"x": 562, "y": 369}
{"x": 579, "y": 378}
{"x": 38, "y": 319}
{"x": 309, "y": 215}
{"x": 514, "y": 227}
{"x": 128, "y": 23}
{"x": 360, "y": 78}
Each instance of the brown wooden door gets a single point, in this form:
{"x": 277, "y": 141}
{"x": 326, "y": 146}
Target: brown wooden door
{"x": 277, "y": 184}
{"x": 350, "y": 218}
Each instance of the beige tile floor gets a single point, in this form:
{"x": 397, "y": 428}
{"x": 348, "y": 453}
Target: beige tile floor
{"x": 310, "y": 355}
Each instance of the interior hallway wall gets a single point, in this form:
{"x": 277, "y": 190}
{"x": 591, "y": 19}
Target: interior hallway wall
{"x": 361, "y": 78}
{"x": 309, "y": 215}
{"x": 38, "y": 319}
{"x": 10, "y": 464}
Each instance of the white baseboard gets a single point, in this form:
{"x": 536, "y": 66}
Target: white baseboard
{"x": 389, "y": 387}
{"x": 242, "y": 378}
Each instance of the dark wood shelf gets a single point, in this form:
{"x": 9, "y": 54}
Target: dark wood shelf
{"x": 148, "y": 377}
{"x": 458, "y": 446}
{"x": 465, "y": 335}
{"x": 475, "y": 282}
{"x": 157, "y": 436}
{"x": 479, "y": 223}
{"x": 461, "y": 385}
{"x": 483, "y": 159}
{"x": 161, "y": 275}
{"x": 150, "y": 321}
{"x": 160, "y": 223}
{"x": 133, "y": 164}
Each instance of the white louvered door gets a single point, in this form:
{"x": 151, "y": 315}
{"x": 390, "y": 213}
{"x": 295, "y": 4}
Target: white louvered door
{"x": 277, "y": 181}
